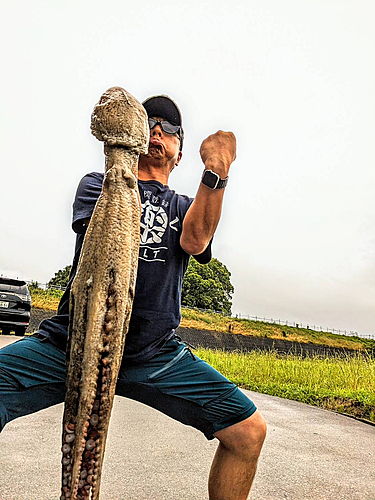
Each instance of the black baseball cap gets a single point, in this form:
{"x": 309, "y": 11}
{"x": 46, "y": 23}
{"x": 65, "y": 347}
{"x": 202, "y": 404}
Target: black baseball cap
{"x": 164, "y": 107}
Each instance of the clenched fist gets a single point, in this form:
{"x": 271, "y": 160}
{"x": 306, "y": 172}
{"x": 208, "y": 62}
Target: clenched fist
{"x": 218, "y": 151}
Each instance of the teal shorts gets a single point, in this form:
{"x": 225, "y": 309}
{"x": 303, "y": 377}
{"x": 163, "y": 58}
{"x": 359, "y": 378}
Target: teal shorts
{"x": 174, "y": 381}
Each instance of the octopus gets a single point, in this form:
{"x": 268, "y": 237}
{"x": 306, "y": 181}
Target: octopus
{"x": 102, "y": 295}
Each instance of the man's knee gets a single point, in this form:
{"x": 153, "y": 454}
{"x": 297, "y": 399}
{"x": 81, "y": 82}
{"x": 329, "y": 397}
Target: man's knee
{"x": 245, "y": 438}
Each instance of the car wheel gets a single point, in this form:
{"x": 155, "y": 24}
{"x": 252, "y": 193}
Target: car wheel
{"x": 5, "y": 330}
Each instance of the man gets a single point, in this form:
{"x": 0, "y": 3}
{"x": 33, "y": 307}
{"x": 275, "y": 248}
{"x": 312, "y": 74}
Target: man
{"x": 157, "y": 369}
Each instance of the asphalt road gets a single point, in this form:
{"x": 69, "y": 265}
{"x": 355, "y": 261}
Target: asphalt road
{"x": 309, "y": 454}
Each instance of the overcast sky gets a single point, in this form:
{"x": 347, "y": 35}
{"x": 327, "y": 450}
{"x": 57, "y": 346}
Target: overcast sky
{"x": 293, "y": 79}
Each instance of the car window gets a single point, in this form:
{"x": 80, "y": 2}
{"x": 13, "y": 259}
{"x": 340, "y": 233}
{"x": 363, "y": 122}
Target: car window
{"x": 10, "y": 285}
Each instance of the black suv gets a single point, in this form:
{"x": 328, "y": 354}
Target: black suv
{"x": 15, "y": 306}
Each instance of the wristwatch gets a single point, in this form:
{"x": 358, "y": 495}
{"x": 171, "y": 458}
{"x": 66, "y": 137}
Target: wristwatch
{"x": 213, "y": 180}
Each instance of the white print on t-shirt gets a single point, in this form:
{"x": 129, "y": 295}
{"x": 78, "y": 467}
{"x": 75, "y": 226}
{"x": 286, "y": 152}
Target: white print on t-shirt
{"x": 155, "y": 199}
{"x": 154, "y": 222}
{"x": 151, "y": 254}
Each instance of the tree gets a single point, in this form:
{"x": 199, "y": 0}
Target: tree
{"x": 33, "y": 285}
{"x": 207, "y": 286}
{"x": 61, "y": 278}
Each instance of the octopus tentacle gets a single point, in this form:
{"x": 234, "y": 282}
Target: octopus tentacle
{"x": 102, "y": 296}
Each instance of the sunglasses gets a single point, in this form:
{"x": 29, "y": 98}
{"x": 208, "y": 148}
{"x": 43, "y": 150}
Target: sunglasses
{"x": 166, "y": 127}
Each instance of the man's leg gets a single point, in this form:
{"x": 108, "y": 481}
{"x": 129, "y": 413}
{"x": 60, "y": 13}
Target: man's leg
{"x": 234, "y": 466}
{"x": 189, "y": 390}
{"x": 32, "y": 377}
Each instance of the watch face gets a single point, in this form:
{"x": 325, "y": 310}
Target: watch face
{"x": 210, "y": 179}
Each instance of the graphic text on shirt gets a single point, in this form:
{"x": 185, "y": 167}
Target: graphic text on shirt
{"x": 154, "y": 223}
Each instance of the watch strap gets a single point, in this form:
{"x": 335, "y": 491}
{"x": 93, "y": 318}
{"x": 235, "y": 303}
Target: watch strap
{"x": 213, "y": 181}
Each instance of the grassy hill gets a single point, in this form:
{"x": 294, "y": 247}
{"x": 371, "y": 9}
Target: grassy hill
{"x": 216, "y": 322}
{"x": 49, "y": 299}
{"x": 45, "y": 299}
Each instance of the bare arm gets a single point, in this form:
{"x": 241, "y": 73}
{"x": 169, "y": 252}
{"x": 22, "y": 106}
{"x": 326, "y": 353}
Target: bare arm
{"x": 218, "y": 152}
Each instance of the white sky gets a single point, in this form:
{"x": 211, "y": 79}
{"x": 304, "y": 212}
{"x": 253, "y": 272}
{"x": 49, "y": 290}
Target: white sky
{"x": 293, "y": 79}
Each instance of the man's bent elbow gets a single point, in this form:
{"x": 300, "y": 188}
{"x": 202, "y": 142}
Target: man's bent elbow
{"x": 193, "y": 247}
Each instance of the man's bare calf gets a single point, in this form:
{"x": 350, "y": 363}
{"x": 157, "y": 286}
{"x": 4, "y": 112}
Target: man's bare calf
{"x": 235, "y": 462}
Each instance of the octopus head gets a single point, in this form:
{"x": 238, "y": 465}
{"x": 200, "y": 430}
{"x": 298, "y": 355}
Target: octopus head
{"x": 119, "y": 119}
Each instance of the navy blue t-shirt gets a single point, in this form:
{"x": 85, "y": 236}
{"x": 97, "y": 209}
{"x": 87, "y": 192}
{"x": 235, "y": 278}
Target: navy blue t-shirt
{"x": 161, "y": 267}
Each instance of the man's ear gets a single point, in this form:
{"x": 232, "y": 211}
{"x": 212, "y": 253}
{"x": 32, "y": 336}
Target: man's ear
{"x": 178, "y": 158}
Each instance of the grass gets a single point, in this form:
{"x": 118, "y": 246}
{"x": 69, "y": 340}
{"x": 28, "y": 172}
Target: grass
{"x": 211, "y": 321}
{"x": 45, "y": 299}
{"x": 343, "y": 384}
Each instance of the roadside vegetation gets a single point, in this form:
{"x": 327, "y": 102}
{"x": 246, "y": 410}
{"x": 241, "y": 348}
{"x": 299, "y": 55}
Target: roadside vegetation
{"x": 345, "y": 384}
{"x": 201, "y": 320}
{"x": 45, "y": 299}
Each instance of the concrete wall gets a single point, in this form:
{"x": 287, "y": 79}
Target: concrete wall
{"x": 37, "y": 316}
{"x": 237, "y": 342}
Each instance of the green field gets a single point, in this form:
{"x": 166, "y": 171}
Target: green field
{"x": 345, "y": 384}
